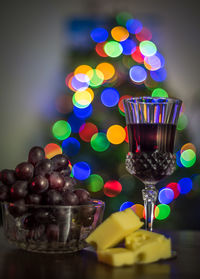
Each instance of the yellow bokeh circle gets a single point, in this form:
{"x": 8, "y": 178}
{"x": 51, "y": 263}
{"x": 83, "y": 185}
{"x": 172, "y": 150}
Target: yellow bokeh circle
{"x": 107, "y": 69}
{"x": 83, "y": 98}
{"x": 82, "y": 69}
{"x": 119, "y": 33}
{"x": 116, "y": 134}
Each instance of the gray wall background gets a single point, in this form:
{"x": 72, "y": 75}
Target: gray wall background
{"x": 32, "y": 49}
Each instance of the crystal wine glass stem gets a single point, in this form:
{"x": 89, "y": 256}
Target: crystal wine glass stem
{"x": 149, "y": 194}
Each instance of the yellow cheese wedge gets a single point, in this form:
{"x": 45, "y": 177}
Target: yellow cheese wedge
{"x": 148, "y": 246}
{"x": 114, "y": 229}
{"x": 116, "y": 256}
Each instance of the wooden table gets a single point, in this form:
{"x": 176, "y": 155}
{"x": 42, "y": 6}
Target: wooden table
{"x": 19, "y": 264}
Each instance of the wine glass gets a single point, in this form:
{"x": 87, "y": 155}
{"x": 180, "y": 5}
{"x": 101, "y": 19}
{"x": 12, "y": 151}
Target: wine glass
{"x": 151, "y": 124}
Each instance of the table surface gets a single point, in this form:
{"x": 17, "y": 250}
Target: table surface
{"x": 19, "y": 264}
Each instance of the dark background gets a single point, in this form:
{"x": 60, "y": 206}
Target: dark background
{"x": 34, "y": 52}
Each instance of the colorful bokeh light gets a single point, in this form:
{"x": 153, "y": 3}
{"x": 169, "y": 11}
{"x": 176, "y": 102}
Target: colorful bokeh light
{"x": 78, "y": 84}
{"x": 95, "y": 183}
{"x": 182, "y": 122}
{"x": 137, "y": 74}
{"x": 75, "y": 123}
{"x": 159, "y": 92}
{"x": 68, "y": 80}
{"x": 116, "y": 134}
{"x": 161, "y": 58}
{"x": 134, "y": 26}
{"x": 71, "y": 146}
{"x": 99, "y": 35}
{"x": 151, "y": 73}
{"x": 112, "y": 188}
{"x": 188, "y": 146}
{"x": 175, "y": 187}
{"x": 122, "y": 18}
{"x": 185, "y": 185}
{"x": 82, "y": 69}
{"x": 97, "y": 77}
{"x": 83, "y": 113}
{"x": 162, "y": 211}
{"x": 120, "y": 104}
{"x": 159, "y": 75}
{"x": 119, "y": 33}
{"x": 129, "y": 46}
{"x": 106, "y": 69}
{"x": 178, "y": 159}
{"x": 61, "y": 129}
{"x": 87, "y": 130}
{"x": 113, "y": 49}
{"x": 99, "y": 142}
{"x": 139, "y": 210}
{"x": 148, "y": 48}
{"x": 144, "y": 35}
{"x": 152, "y": 63}
{"x": 110, "y": 97}
{"x": 51, "y": 150}
{"x": 81, "y": 170}
{"x": 166, "y": 195}
{"x": 137, "y": 55}
{"x": 126, "y": 205}
{"x": 188, "y": 158}
{"x": 100, "y": 49}
{"x": 82, "y": 99}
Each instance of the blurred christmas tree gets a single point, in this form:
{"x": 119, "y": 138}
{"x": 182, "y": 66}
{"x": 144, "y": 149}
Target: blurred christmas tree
{"x": 112, "y": 59}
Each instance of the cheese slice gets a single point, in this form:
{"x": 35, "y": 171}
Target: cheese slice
{"x": 116, "y": 256}
{"x": 141, "y": 247}
{"x": 117, "y": 226}
{"x": 148, "y": 246}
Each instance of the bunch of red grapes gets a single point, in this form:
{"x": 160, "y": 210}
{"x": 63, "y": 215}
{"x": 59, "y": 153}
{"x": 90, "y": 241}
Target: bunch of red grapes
{"x": 41, "y": 182}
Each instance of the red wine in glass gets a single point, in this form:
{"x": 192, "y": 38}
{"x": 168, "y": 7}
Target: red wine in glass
{"x": 151, "y": 148}
{"x": 151, "y": 125}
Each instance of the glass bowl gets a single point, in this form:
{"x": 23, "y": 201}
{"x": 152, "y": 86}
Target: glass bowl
{"x": 51, "y": 229}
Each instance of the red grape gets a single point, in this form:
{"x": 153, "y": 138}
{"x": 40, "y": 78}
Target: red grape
{"x": 36, "y": 154}
{"x": 33, "y": 199}
{"x": 66, "y": 172}
{"x": 56, "y": 180}
{"x": 4, "y": 192}
{"x": 60, "y": 162}
{"x": 83, "y": 195}
{"x": 19, "y": 190}
{"x": 44, "y": 167}
{"x": 88, "y": 211}
{"x": 8, "y": 176}
{"x": 70, "y": 198}
{"x": 53, "y": 197}
{"x": 24, "y": 171}
{"x": 39, "y": 184}
{"x": 70, "y": 182}
{"x": 18, "y": 208}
